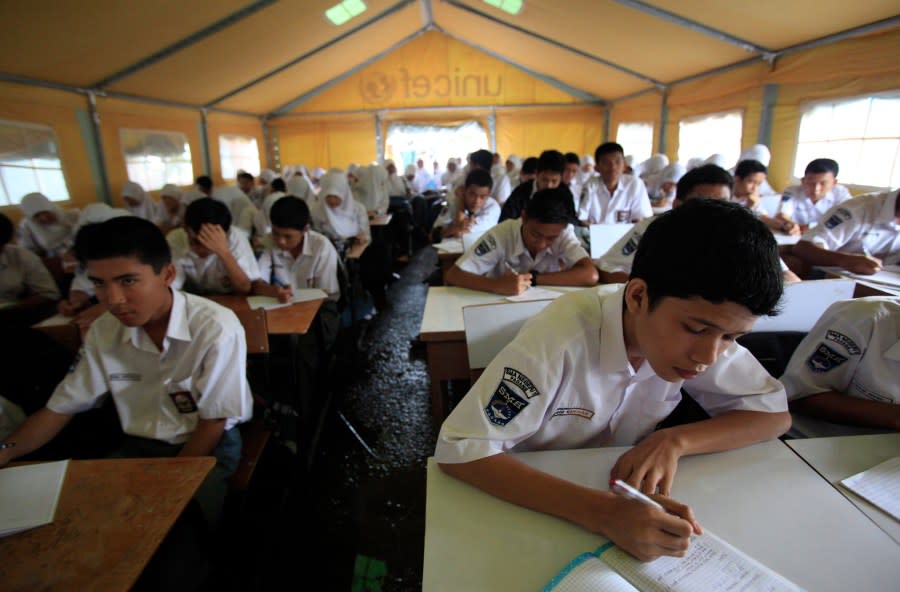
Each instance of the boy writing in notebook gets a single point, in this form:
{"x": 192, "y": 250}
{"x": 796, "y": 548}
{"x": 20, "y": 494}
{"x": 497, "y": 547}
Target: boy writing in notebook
{"x": 603, "y": 367}
{"x": 538, "y": 248}
{"x": 173, "y": 363}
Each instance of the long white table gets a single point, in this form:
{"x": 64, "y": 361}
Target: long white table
{"x": 840, "y": 457}
{"x": 762, "y": 499}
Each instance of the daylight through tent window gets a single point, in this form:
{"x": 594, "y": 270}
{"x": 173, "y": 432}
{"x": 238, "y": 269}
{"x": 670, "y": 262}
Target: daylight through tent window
{"x": 862, "y": 134}
{"x": 154, "y": 158}
{"x": 714, "y": 133}
{"x": 636, "y": 138}
{"x": 407, "y": 142}
{"x": 29, "y": 162}
{"x": 238, "y": 153}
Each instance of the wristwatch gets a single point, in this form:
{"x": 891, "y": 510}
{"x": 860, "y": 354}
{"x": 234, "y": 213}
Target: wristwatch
{"x": 534, "y": 277}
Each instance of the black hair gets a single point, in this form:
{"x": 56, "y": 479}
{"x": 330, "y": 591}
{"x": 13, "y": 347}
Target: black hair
{"x": 708, "y": 174}
{"x": 746, "y": 168}
{"x": 483, "y": 159}
{"x": 278, "y": 184}
{"x": 711, "y": 248}
{"x": 245, "y": 175}
{"x": 207, "y": 211}
{"x": 290, "y": 212}
{"x": 6, "y": 230}
{"x": 822, "y": 165}
{"x": 551, "y": 206}
{"x": 529, "y": 165}
{"x": 551, "y": 160}
{"x": 572, "y": 158}
{"x": 125, "y": 236}
{"x": 607, "y": 148}
{"x": 204, "y": 182}
{"x": 479, "y": 177}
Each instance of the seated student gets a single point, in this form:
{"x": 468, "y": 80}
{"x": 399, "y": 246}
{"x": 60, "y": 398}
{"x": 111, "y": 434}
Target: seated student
{"x": 804, "y": 205}
{"x": 27, "y": 290}
{"x": 513, "y": 166}
{"x": 845, "y": 370}
{"x": 550, "y": 167}
{"x": 529, "y": 170}
{"x": 172, "y": 213}
{"x": 139, "y": 203}
{"x": 210, "y": 256}
{"x": 244, "y": 215}
{"x": 749, "y": 175}
{"x": 245, "y": 183}
{"x": 761, "y": 154}
{"x": 709, "y": 181}
{"x": 337, "y": 215}
{"x": 662, "y": 195}
{"x": 299, "y": 186}
{"x": 469, "y": 208}
{"x": 537, "y": 248}
{"x": 371, "y": 189}
{"x": 613, "y": 196}
{"x": 46, "y": 230}
{"x": 450, "y": 175}
{"x": 204, "y": 185}
{"x": 860, "y": 235}
{"x": 263, "y": 217}
{"x": 174, "y": 363}
{"x": 571, "y": 179}
{"x": 602, "y": 367}
{"x": 396, "y": 184}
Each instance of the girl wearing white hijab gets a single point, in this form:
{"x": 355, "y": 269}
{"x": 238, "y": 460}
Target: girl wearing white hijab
{"x": 651, "y": 169}
{"x": 759, "y": 153}
{"x": 244, "y": 214}
{"x": 47, "y": 230}
{"x": 172, "y": 211}
{"x": 139, "y": 203}
{"x": 513, "y": 168}
{"x": 716, "y": 159}
{"x": 298, "y": 186}
{"x": 372, "y": 189}
{"x": 336, "y": 214}
{"x": 663, "y": 192}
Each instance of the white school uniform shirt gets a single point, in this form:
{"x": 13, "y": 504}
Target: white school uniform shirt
{"x": 854, "y": 349}
{"x": 485, "y": 218}
{"x": 797, "y": 206}
{"x": 320, "y": 222}
{"x": 199, "y": 374}
{"x": 628, "y": 202}
{"x": 49, "y": 241}
{"x": 501, "y": 248}
{"x": 22, "y": 273}
{"x": 316, "y": 267}
{"x": 501, "y": 189}
{"x": 565, "y": 382}
{"x": 864, "y": 223}
{"x": 207, "y": 275}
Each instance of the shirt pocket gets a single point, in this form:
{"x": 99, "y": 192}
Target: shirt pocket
{"x": 180, "y": 400}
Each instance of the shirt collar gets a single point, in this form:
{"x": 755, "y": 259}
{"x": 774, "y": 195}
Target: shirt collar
{"x": 613, "y": 357}
{"x": 887, "y": 210}
{"x": 178, "y": 327}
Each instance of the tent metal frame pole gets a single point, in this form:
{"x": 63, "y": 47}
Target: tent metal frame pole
{"x": 492, "y": 129}
{"x": 427, "y": 13}
{"x": 94, "y": 114}
{"x": 185, "y": 42}
{"x": 766, "y": 114}
{"x": 663, "y": 122}
{"x": 670, "y": 17}
{"x": 204, "y": 142}
{"x": 553, "y": 42}
{"x": 383, "y": 15}
{"x": 607, "y": 115}
{"x": 379, "y": 143}
{"x": 449, "y": 108}
{"x": 841, "y": 36}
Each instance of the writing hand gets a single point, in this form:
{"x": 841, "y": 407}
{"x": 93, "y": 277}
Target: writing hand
{"x": 649, "y": 465}
{"x": 513, "y": 284}
{"x": 864, "y": 264}
{"x": 646, "y": 532}
{"x": 284, "y": 294}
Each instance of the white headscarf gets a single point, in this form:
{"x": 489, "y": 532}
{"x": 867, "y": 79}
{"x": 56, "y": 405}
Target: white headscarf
{"x": 716, "y": 159}
{"x": 588, "y": 159}
{"x": 757, "y": 152}
{"x": 268, "y": 175}
{"x": 671, "y": 174}
{"x": 241, "y": 208}
{"x": 191, "y": 195}
{"x": 342, "y": 219}
{"x": 299, "y": 187}
{"x": 53, "y": 238}
{"x": 146, "y": 209}
{"x": 410, "y": 170}
{"x": 655, "y": 164}
{"x": 98, "y": 212}
{"x": 695, "y": 162}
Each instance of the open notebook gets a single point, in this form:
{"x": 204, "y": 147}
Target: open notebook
{"x": 880, "y": 485}
{"x": 711, "y": 565}
{"x": 29, "y": 495}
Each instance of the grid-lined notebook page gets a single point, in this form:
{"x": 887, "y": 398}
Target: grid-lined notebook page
{"x": 586, "y": 573}
{"x": 711, "y": 565}
{"x": 879, "y": 485}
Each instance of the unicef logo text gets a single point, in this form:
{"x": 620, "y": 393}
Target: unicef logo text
{"x": 380, "y": 87}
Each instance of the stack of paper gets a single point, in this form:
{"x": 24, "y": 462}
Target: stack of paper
{"x": 879, "y": 485}
{"x": 29, "y": 494}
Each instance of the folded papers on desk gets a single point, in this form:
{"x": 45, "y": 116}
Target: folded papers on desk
{"x": 300, "y": 295}
{"x": 879, "y": 485}
{"x": 29, "y": 495}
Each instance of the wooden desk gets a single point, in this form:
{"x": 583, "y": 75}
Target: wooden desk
{"x": 288, "y": 320}
{"x": 762, "y": 499}
{"x": 64, "y": 330}
{"x": 840, "y": 457}
{"x": 355, "y": 251}
{"x": 444, "y": 335}
{"x": 111, "y": 517}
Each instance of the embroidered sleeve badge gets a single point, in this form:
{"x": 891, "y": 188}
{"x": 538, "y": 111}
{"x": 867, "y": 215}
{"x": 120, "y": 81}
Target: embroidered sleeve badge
{"x": 844, "y": 341}
{"x": 487, "y": 244}
{"x": 824, "y": 359}
{"x": 510, "y": 398}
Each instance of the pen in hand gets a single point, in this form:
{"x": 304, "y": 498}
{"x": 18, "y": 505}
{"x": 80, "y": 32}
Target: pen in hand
{"x": 627, "y": 491}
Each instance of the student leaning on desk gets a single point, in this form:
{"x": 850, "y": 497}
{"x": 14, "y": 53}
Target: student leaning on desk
{"x": 540, "y": 247}
{"x": 174, "y": 363}
{"x": 603, "y": 367}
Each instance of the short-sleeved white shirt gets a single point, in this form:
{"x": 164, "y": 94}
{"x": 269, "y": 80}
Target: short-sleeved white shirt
{"x": 797, "y": 206}
{"x": 486, "y": 217}
{"x": 565, "y": 382}
{"x": 864, "y": 223}
{"x": 200, "y": 373}
{"x": 627, "y": 203}
{"x": 22, "y": 273}
{"x": 316, "y": 267}
{"x": 502, "y": 246}
{"x": 207, "y": 275}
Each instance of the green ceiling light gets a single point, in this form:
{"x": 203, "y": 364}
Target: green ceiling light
{"x": 510, "y": 6}
{"x": 344, "y": 11}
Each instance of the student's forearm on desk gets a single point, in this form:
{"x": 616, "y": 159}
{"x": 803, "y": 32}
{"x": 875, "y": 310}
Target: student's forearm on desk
{"x": 613, "y": 277}
{"x": 839, "y": 408}
{"x": 464, "y": 279}
{"x": 583, "y": 273}
{"x": 38, "y": 429}
{"x": 816, "y": 255}
{"x": 262, "y": 288}
{"x": 205, "y": 438}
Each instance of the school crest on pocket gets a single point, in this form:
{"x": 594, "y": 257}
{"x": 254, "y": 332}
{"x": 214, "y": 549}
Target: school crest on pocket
{"x": 184, "y": 402}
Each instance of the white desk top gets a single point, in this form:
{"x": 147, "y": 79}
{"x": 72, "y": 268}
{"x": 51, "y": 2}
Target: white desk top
{"x": 762, "y": 499}
{"x": 444, "y": 304}
{"x": 786, "y": 239}
{"x": 840, "y": 457}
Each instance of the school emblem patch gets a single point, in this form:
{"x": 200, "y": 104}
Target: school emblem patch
{"x": 632, "y": 245}
{"x": 824, "y": 359}
{"x": 510, "y": 398}
{"x": 844, "y": 341}
{"x": 840, "y": 216}
{"x": 485, "y": 245}
{"x": 183, "y": 401}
